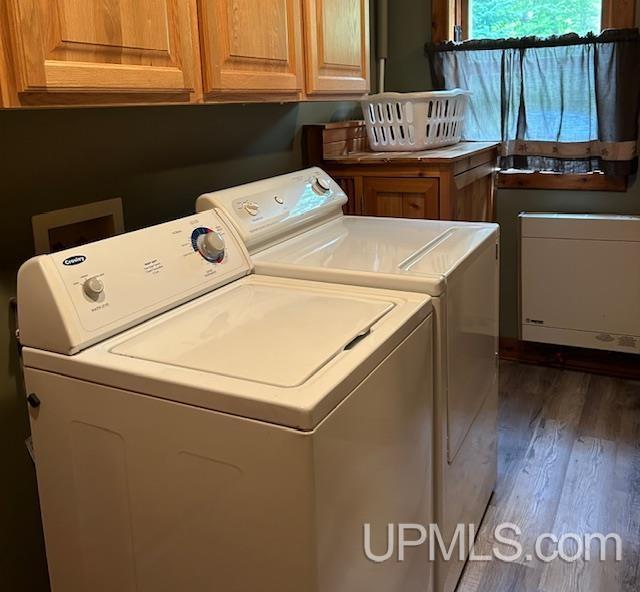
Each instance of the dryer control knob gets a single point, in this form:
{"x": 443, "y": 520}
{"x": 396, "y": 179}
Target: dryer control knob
{"x": 93, "y": 287}
{"x": 211, "y": 246}
{"x": 321, "y": 185}
{"x": 251, "y": 208}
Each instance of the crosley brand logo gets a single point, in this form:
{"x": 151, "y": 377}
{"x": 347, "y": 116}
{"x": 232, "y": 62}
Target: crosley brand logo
{"x": 75, "y": 260}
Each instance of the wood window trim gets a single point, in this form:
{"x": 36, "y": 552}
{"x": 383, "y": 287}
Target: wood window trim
{"x": 446, "y": 15}
{"x": 562, "y": 181}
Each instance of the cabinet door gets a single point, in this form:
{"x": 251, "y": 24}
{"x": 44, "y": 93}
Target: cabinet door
{"x": 252, "y": 47}
{"x": 401, "y": 198}
{"x": 337, "y": 46}
{"x": 117, "y": 46}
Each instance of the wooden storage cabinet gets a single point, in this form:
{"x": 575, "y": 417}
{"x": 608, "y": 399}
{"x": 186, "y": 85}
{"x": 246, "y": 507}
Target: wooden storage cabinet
{"x": 337, "y": 46}
{"x": 451, "y": 183}
{"x": 400, "y": 198}
{"x": 102, "y": 49}
{"x": 252, "y": 47}
{"x": 84, "y": 52}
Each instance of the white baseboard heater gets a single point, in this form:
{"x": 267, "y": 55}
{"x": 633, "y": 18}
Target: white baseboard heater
{"x": 580, "y": 280}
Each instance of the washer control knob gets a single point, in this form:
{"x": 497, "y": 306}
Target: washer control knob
{"x": 93, "y": 287}
{"x": 279, "y": 200}
{"x": 320, "y": 185}
{"x": 211, "y": 246}
{"x": 252, "y": 208}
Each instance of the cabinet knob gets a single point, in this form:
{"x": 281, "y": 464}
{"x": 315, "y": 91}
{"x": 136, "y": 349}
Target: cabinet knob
{"x": 34, "y": 400}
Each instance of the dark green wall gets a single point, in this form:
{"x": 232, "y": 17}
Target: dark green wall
{"x": 410, "y": 28}
{"x": 158, "y": 159}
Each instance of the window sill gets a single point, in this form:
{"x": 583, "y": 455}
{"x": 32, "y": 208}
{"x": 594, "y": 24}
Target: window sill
{"x": 558, "y": 181}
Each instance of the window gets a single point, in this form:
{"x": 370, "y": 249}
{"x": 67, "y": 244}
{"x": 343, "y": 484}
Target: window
{"x": 492, "y": 19}
{"x": 499, "y": 19}
{"x": 495, "y": 19}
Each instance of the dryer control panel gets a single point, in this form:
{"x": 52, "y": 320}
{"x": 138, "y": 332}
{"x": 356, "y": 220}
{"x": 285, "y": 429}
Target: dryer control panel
{"x": 70, "y": 299}
{"x": 268, "y": 210}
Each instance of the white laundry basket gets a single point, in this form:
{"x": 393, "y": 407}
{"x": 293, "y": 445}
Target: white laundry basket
{"x": 414, "y": 121}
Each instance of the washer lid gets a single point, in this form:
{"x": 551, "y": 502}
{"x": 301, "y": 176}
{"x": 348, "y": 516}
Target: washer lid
{"x": 260, "y": 333}
{"x": 413, "y": 254}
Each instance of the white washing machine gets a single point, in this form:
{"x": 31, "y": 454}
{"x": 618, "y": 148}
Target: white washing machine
{"x": 197, "y": 427}
{"x": 293, "y": 227}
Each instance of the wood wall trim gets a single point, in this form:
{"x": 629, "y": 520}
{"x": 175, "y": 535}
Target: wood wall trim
{"x": 618, "y": 364}
{"x": 558, "y": 181}
{"x": 442, "y": 20}
{"x": 618, "y": 14}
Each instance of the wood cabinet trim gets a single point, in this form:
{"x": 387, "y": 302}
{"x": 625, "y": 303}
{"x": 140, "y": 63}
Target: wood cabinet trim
{"x": 7, "y": 73}
{"x": 117, "y": 77}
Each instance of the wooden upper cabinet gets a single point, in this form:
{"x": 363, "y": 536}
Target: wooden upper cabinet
{"x": 252, "y": 47}
{"x": 84, "y": 52}
{"x": 105, "y": 46}
{"x": 337, "y": 46}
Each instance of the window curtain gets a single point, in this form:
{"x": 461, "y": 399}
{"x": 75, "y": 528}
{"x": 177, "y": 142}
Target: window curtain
{"x": 566, "y": 104}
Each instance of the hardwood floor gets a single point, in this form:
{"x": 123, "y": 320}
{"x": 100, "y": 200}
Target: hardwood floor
{"x": 569, "y": 462}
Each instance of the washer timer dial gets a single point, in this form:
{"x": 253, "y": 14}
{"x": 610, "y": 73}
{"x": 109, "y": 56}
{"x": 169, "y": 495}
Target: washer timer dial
{"x": 93, "y": 287}
{"x": 209, "y": 244}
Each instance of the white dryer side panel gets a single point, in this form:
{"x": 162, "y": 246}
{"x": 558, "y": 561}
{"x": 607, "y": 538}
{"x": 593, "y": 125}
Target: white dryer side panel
{"x": 471, "y": 319}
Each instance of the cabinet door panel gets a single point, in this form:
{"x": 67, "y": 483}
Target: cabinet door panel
{"x": 401, "y": 198}
{"x": 337, "y": 46}
{"x": 105, "y": 45}
{"x": 251, "y": 46}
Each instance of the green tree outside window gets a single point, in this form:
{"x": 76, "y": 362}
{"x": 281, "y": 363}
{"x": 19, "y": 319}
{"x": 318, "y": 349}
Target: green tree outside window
{"x": 495, "y": 19}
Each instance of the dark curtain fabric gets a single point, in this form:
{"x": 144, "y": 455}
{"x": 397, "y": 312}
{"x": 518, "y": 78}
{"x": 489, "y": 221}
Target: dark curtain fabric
{"x": 566, "y": 104}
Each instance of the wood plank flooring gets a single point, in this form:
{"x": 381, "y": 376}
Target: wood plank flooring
{"x": 569, "y": 462}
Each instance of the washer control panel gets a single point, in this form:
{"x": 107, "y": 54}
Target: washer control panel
{"x": 265, "y": 210}
{"x": 105, "y": 286}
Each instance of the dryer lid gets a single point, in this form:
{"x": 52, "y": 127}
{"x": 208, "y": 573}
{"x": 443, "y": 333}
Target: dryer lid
{"x": 423, "y": 251}
{"x": 266, "y": 334}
